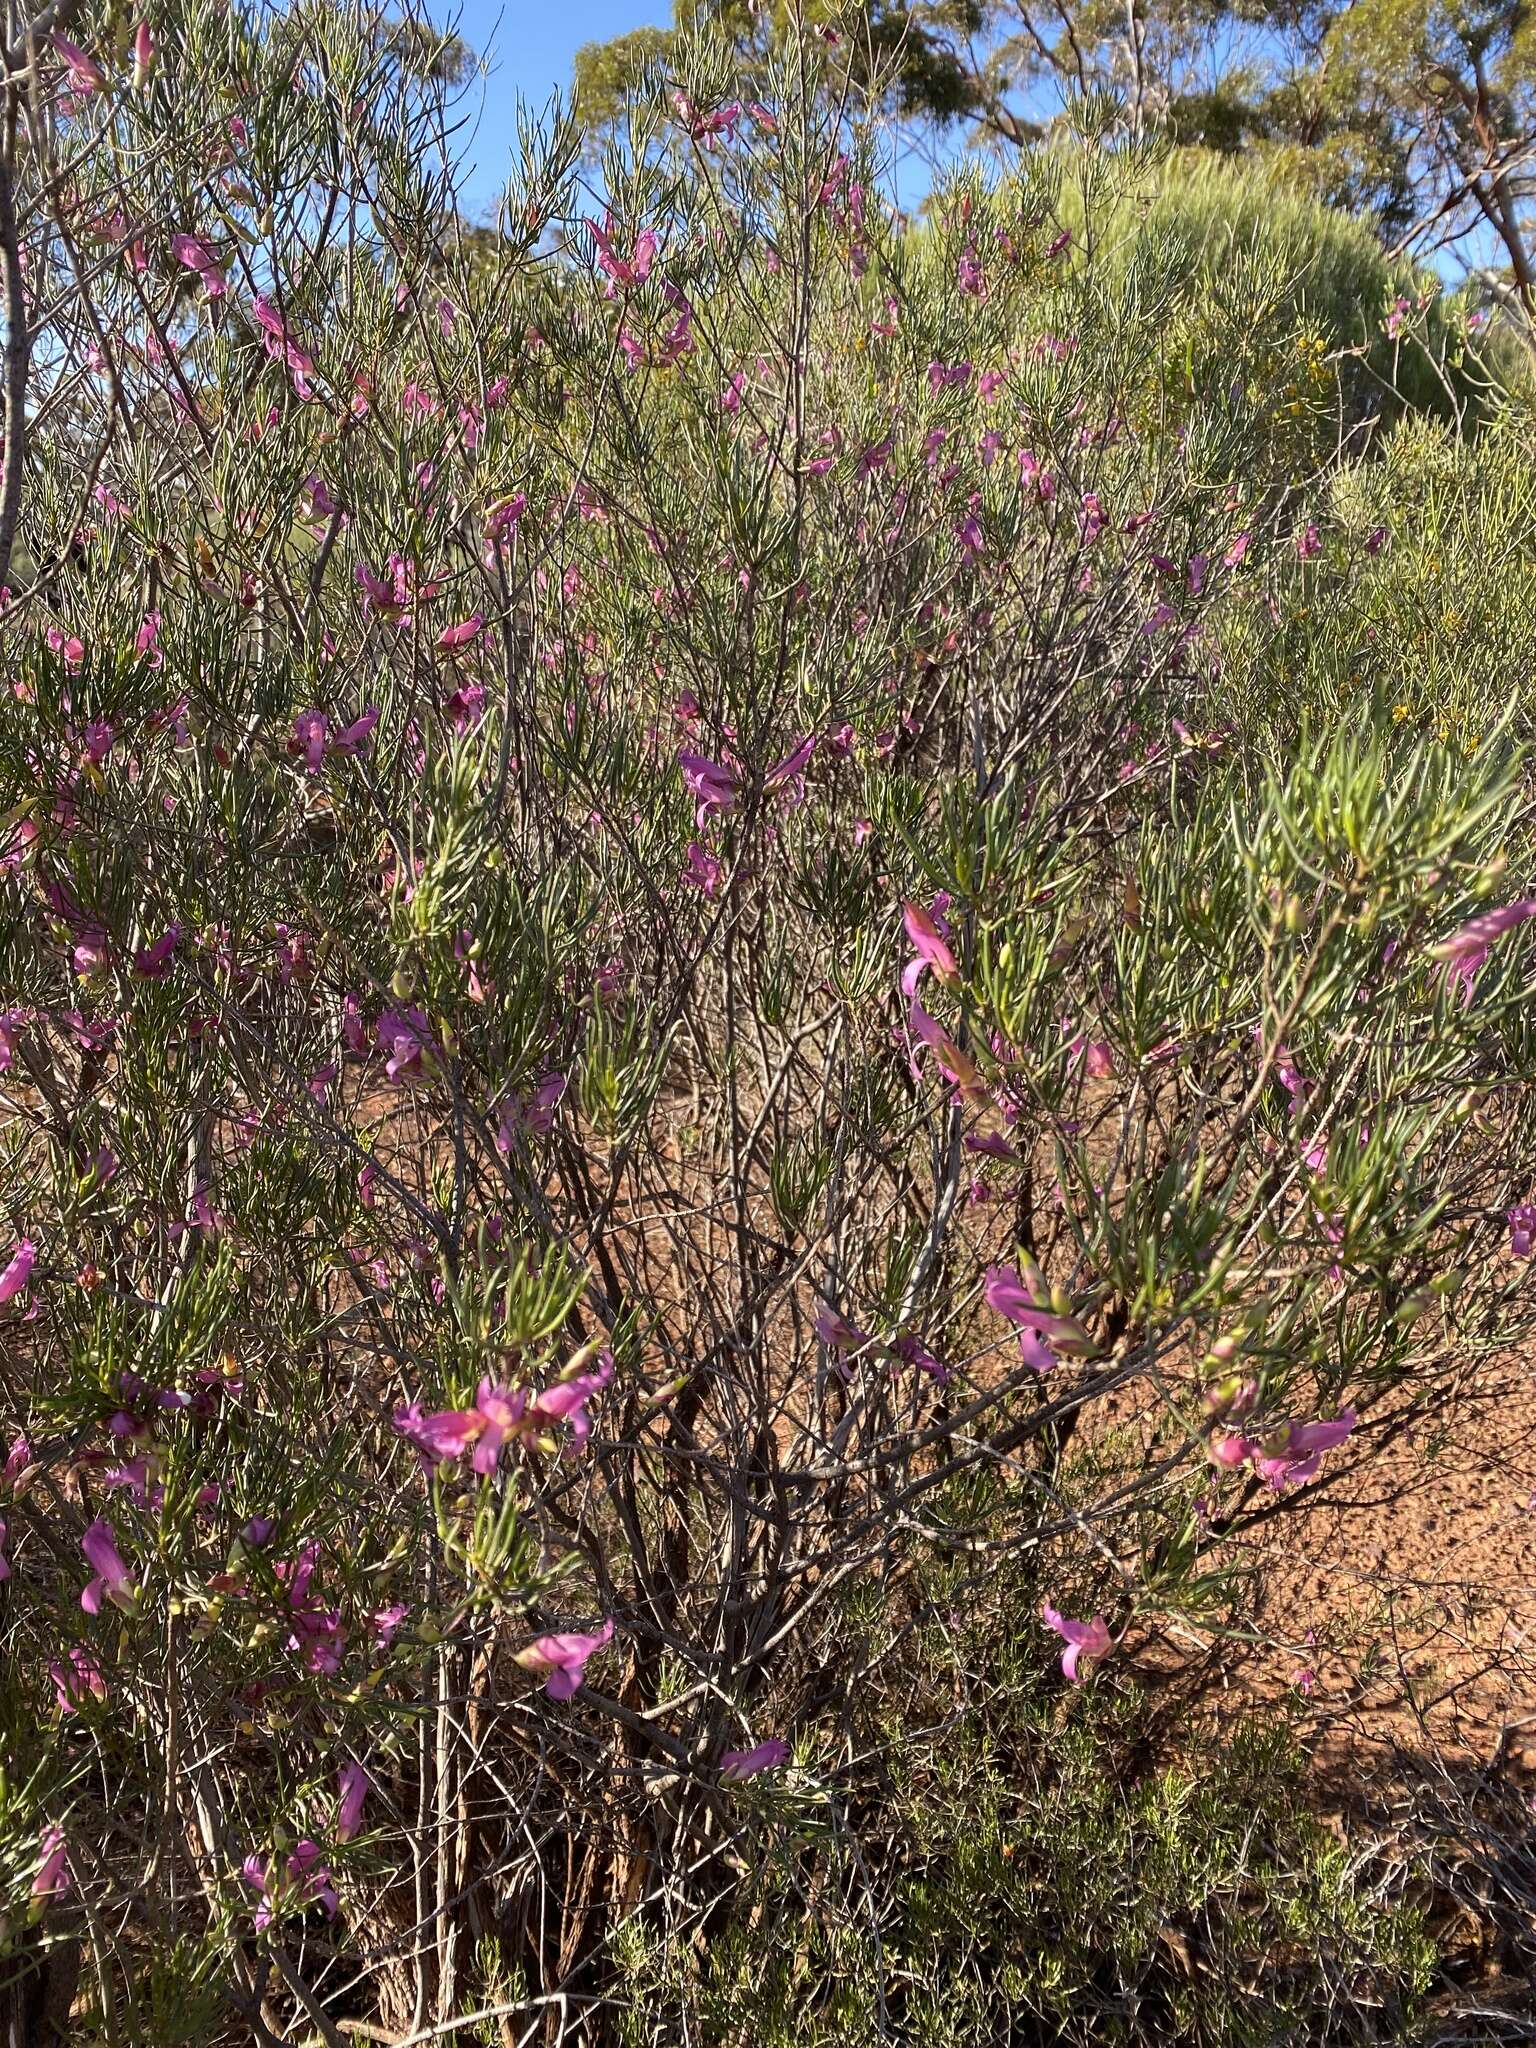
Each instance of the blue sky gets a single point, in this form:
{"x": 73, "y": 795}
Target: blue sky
{"x": 530, "y": 45}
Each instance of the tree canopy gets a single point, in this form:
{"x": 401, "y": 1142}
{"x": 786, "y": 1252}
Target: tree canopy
{"x": 1416, "y": 115}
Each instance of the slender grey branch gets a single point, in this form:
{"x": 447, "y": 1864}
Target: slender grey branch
{"x": 17, "y": 355}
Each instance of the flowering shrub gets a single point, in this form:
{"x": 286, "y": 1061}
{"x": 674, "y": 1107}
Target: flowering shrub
{"x": 667, "y": 903}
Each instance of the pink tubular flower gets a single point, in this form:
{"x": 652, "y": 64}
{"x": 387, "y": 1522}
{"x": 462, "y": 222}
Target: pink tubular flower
{"x": 465, "y": 707}
{"x": 705, "y": 127}
{"x": 15, "y": 1275}
{"x": 85, "y": 74}
{"x": 947, "y": 376}
{"x": 837, "y": 1333}
{"x": 135, "y": 1476}
{"x": 406, "y": 1036}
{"x": 304, "y": 1880}
{"x": 533, "y": 1112}
{"x": 281, "y": 346}
{"x": 566, "y": 1401}
{"x": 1007, "y": 1293}
{"x": 931, "y": 944}
{"x": 504, "y": 515}
{"x": 452, "y": 638}
{"x": 70, "y": 649}
{"x": 956, "y": 1066}
{"x": 703, "y": 871}
{"x": 5, "y": 1563}
{"x": 994, "y": 1147}
{"x": 143, "y": 55}
{"x": 52, "y": 1879}
{"x": 352, "y": 738}
{"x": 378, "y": 594}
{"x": 791, "y": 768}
{"x": 310, "y": 730}
{"x": 911, "y": 1350}
{"x": 1522, "y": 1229}
{"x": 112, "y": 1576}
{"x": 1011, "y": 1297}
{"x": 321, "y": 501}
{"x": 1465, "y": 951}
{"x": 875, "y": 458}
{"x": 202, "y": 1216}
{"x": 564, "y": 1659}
{"x": 442, "y": 1436}
{"x": 313, "y": 738}
{"x": 500, "y": 1415}
{"x": 87, "y": 941}
{"x": 12, "y": 1024}
{"x": 354, "y": 1032}
{"x": 386, "y": 1622}
{"x": 352, "y": 1790}
{"x": 152, "y": 963}
{"x": 712, "y": 786}
{"x": 1088, "y": 1642}
{"x": 677, "y": 342}
{"x": 1042, "y": 1331}
{"x": 74, "y": 1680}
{"x": 193, "y": 253}
{"x": 1295, "y": 1083}
{"x": 1230, "y": 1451}
{"x": 1289, "y": 1455}
{"x": 622, "y": 271}
{"x": 317, "y": 1631}
{"x": 1293, "y": 1456}
{"x": 253, "y": 1871}
{"x": 736, "y": 1764}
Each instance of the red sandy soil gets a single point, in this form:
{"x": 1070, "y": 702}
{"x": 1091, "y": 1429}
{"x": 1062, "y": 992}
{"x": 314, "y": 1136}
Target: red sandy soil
{"x": 1416, "y": 1576}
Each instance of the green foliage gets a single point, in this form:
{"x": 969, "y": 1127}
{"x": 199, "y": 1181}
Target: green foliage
{"x": 905, "y": 54}
{"x": 1047, "y": 1889}
{"x": 1244, "y": 232}
{"x": 681, "y": 888}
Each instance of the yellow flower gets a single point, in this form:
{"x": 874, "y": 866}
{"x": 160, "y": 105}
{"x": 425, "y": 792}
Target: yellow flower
{"x": 1399, "y": 712}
